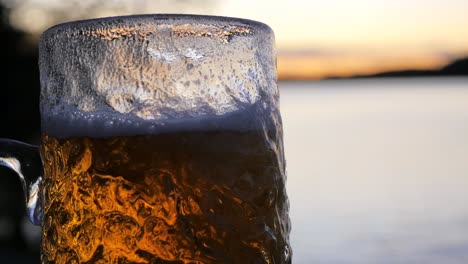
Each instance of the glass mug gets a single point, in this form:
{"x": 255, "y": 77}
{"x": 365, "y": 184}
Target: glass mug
{"x": 161, "y": 143}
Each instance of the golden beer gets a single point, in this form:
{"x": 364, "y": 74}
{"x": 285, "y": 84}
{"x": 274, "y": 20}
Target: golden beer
{"x": 177, "y": 197}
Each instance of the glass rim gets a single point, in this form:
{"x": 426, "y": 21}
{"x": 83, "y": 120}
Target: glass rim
{"x": 196, "y": 19}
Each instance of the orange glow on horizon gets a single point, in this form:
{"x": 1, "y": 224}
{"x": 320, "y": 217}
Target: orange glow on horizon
{"x": 310, "y": 67}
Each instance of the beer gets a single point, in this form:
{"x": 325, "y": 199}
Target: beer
{"x": 190, "y": 194}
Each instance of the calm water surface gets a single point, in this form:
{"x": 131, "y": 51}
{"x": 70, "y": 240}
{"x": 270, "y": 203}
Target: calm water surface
{"x": 377, "y": 170}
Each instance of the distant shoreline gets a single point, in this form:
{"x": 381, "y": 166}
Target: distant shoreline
{"x": 372, "y": 80}
{"x": 457, "y": 68}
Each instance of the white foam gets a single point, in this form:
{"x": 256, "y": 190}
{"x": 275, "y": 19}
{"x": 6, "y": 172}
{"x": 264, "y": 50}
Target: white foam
{"x": 67, "y": 121}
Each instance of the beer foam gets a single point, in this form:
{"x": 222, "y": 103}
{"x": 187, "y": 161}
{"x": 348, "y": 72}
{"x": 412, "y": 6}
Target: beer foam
{"x": 67, "y": 121}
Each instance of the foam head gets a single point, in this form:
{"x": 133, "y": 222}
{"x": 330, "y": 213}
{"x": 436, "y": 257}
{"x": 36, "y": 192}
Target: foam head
{"x": 153, "y": 71}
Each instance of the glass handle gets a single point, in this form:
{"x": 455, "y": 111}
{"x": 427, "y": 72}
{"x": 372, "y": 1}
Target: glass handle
{"x": 26, "y": 161}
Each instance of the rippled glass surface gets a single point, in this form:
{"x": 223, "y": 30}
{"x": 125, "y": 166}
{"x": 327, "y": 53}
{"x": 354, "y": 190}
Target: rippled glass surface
{"x": 162, "y": 142}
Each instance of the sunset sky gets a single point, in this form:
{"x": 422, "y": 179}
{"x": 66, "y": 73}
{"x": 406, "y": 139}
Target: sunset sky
{"x": 315, "y": 39}
{"x": 345, "y": 37}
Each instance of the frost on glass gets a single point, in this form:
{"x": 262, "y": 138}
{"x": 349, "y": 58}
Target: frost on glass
{"x": 154, "y": 71}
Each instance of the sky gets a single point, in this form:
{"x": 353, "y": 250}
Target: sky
{"x": 315, "y": 39}
{"x": 345, "y": 37}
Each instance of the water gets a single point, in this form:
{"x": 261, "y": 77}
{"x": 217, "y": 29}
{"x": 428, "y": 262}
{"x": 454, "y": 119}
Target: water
{"x": 377, "y": 170}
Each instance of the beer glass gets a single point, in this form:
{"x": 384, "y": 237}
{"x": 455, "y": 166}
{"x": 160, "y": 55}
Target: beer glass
{"x": 161, "y": 143}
